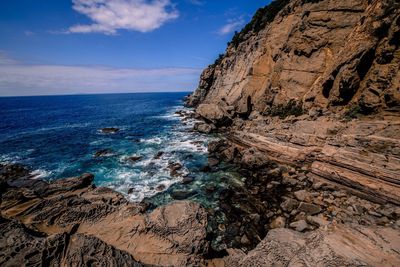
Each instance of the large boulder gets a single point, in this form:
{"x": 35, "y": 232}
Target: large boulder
{"x": 214, "y": 113}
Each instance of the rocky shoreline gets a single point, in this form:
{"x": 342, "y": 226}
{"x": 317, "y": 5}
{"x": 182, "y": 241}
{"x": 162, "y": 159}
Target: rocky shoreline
{"x": 305, "y": 102}
{"x": 279, "y": 215}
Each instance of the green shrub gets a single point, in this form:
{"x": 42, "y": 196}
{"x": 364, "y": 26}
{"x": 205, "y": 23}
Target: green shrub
{"x": 291, "y": 108}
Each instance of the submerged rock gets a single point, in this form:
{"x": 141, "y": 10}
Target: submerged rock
{"x": 187, "y": 180}
{"x": 182, "y": 194}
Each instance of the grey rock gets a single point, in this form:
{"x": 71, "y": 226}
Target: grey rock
{"x": 317, "y": 221}
{"x": 299, "y": 226}
{"x": 289, "y": 204}
{"x": 308, "y": 208}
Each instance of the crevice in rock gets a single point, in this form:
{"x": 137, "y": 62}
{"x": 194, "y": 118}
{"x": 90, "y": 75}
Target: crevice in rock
{"x": 365, "y": 63}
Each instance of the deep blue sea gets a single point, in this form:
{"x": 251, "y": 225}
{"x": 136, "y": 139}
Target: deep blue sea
{"x": 58, "y": 137}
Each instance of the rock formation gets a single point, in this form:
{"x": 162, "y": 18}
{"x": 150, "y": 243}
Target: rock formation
{"x": 310, "y": 90}
{"x": 71, "y": 222}
{"x": 318, "y": 86}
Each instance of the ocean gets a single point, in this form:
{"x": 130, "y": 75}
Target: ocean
{"x": 60, "y": 136}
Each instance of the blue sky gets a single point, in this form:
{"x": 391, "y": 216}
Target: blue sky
{"x": 105, "y": 46}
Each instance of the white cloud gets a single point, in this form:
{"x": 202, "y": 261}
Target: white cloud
{"x": 5, "y": 60}
{"x": 109, "y": 16}
{"x": 24, "y": 79}
{"x": 231, "y": 26}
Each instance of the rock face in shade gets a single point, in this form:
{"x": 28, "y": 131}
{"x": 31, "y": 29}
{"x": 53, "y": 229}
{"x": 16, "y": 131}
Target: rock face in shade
{"x": 71, "y": 222}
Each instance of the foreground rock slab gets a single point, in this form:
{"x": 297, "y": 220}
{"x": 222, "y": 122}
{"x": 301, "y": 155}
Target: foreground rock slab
{"x": 339, "y": 246}
{"x": 72, "y": 222}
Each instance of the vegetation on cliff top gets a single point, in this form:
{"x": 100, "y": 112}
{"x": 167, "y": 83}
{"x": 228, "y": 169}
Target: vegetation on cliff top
{"x": 262, "y": 17}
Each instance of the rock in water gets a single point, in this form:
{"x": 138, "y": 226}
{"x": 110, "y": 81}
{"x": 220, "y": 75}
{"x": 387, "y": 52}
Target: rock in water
{"x": 134, "y": 158}
{"x": 182, "y": 194}
{"x": 103, "y": 153}
{"x": 110, "y": 130}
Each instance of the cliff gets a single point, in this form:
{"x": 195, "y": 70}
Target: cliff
{"x": 326, "y": 55}
{"x": 316, "y": 84}
{"x": 306, "y": 99}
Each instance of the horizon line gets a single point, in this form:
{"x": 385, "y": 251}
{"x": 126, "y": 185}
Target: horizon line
{"x": 116, "y": 93}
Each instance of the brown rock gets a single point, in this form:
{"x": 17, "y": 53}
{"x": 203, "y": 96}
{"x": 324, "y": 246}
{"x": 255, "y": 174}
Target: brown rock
{"x": 303, "y": 195}
{"x": 284, "y": 247}
{"x": 213, "y": 113}
{"x": 289, "y": 204}
{"x": 278, "y": 222}
{"x": 83, "y": 224}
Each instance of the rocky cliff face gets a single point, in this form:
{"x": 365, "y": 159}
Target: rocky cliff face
{"x": 318, "y": 85}
{"x": 330, "y": 55}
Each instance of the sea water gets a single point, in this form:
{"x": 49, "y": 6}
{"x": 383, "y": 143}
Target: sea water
{"x": 58, "y": 137}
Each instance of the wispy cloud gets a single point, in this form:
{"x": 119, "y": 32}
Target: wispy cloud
{"x": 29, "y": 33}
{"x": 231, "y": 26}
{"x": 5, "y": 59}
{"x": 109, "y": 16}
{"x": 24, "y": 79}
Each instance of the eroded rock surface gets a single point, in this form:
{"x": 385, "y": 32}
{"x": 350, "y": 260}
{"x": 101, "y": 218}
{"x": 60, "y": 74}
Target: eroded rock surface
{"x": 339, "y": 246}
{"x": 71, "y": 222}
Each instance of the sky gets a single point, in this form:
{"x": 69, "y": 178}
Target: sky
{"x": 51, "y": 47}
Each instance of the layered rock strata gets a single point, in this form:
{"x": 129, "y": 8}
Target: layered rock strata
{"x": 317, "y": 86}
{"x": 71, "y": 222}
{"x": 306, "y": 98}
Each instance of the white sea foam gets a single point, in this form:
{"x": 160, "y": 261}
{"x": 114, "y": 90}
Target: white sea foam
{"x": 40, "y": 174}
{"x": 155, "y": 140}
